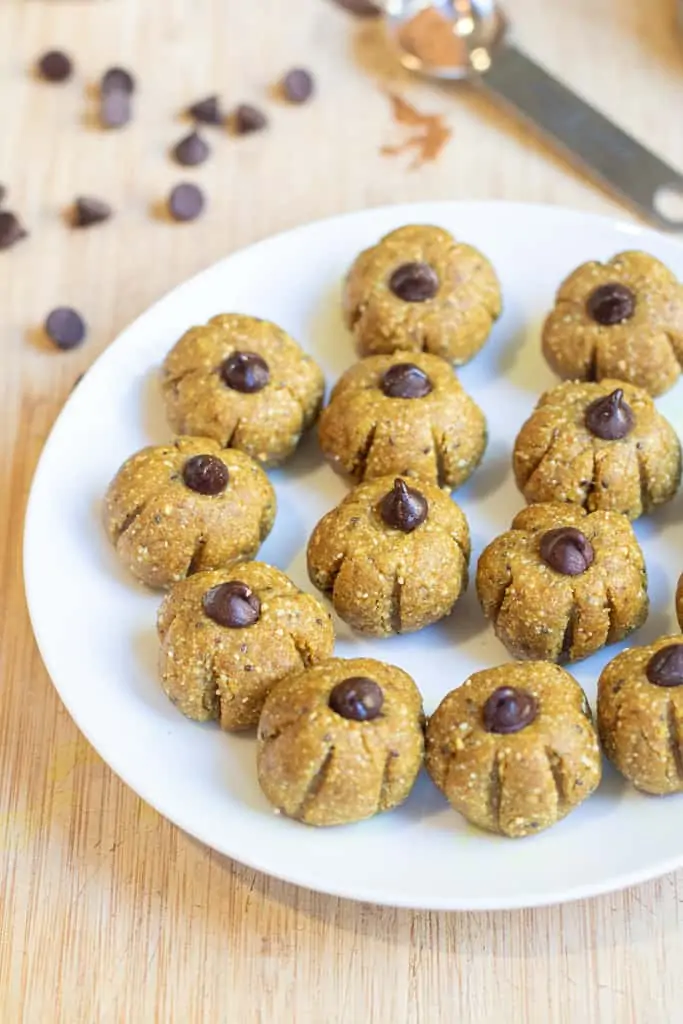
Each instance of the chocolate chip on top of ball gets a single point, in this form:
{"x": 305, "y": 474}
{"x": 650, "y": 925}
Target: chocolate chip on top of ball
{"x": 640, "y": 715}
{"x": 514, "y": 749}
{"x": 620, "y": 320}
{"x": 341, "y": 741}
{"x": 420, "y": 290}
{"x": 228, "y": 636}
{"x": 393, "y": 556}
{"x": 391, "y": 417}
{"x": 599, "y": 445}
{"x": 562, "y": 583}
{"x": 173, "y": 510}
{"x": 245, "y": 383}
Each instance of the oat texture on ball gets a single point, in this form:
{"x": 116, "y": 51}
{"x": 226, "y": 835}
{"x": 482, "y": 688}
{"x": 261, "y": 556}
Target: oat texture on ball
{"x": 420, "y": 290}
{"x": 622, "y": 319}
{"x": 514, "y": 749}
{"x": 679, "y": 602}
{"x": 599, "y": 445}
{"x": 640, "y": 715}
{"x": 229, "y": 635}
{"x": 340, "y": 742}
{"x": 173, "y": 510}
{"x": 389, "y": 415}
{"x": 563, "y": 583}
{"x": 245, "y": 383}
{"x": 393, "y": 556}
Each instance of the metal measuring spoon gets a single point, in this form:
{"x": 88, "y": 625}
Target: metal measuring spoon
{"x": 481, "y": 52}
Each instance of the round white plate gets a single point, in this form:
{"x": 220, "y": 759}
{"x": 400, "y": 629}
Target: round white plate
{"x": 96, "y": 628}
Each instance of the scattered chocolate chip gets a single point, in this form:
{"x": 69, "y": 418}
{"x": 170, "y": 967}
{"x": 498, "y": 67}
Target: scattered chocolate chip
{"x": 357, "y": 698}
{"x": 118, "y": 80}
{"x": 405, "y": 380}
{"x": 11, "y": 229}
{"x": 610, "y": 418}
{"x": 361, "y": 8}
{"x": 403, "y": 508}
{"x": 509, "y": 709}
{"x": 115, "y": 108}
{"x": 191, "y": 151}
{"x": 611, "y": 303}
{"x": 65, "y": 327}
{"x": 55, "y": 66}
{"x": 186, "y": 202}
{"x": 248, "y": 119}
{"x": 88, "y": 211}
{"x": 245, "y": 371}
{"x": 206, "y": 111}
{"x": 297, "y": 85}
{"x": 567, "y": 550}
{"x": 665, "y": 668}
{"x": 205, "y": 474}
{"x": 414, "y": 282}
{"x": 3, "y": 194}
{"x": 232, "y": 604}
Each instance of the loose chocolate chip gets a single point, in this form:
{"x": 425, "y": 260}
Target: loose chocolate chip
{"x": 118, "y": 80}
{"x": 405, "y": 380}
{"x": 191, "y": 151}
{"x": 665, "y": 668}
{"x": 88, "y": 211}
{"x": 403, "y": 508}
{"x": 414, "y": 282}
{"x": 246, "y": 372}
{"x": 65, "y": 327}
{"x": 205, "y": 474}
{"x": 357, "y": 698}
{"x": 3, "y": 194}
{"x": 186, "y": 202}
{"x": 55, "y": 66}
{"x": 297, "y": 85}
{"x": 206, "y": 111}
{"x": 611, "y": 303}
{"x": 610, "y": 418}
{"x": 247, "y": 119}
{"x": 361, "y": 8}
{"x": 232, "y": 604}
{"x": 11, "y": 229}
{"x": 509, "y": 709}
{"x": 567, "y": 550}
{"x": 115, "y": 108}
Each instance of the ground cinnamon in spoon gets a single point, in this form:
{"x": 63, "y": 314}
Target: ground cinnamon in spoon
{"x": 429, "y": 138}
{"x": 430, "y": 37}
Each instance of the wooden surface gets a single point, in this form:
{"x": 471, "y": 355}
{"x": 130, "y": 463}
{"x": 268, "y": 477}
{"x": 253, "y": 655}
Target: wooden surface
{"x": 107, "y": 912}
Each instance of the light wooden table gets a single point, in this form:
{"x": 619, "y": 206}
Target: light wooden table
{"x": 107, "y": 912}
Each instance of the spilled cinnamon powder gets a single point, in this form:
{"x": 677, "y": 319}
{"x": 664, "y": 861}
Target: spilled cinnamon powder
{"x": 429, "y": 137}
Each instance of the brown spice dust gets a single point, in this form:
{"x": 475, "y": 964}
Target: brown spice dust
{"x": 429, "y": 138}
{"x": 430, "y": 37}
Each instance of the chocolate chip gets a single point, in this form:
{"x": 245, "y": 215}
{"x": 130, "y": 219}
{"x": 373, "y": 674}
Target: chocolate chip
{"x": 567, "y": 550}
{"x": 405, "y": 380}
{"x": 191, "y": 151}
{"x": 205, "y": 474}
{"x": 88, "y": 211}
{"x": 11, "y": 229}
{"x": 611, "y": 303}
{"x": 610, "y": 418}
{"x": 361, "y": 8}
{"x": 115, "y": 108}
{"x": 665, "y": 668}
{"x": 357, "y": 698}
{"x": 247, "y": 119}
{"x": 118, "y": 80}
{"x": 246, "y": 372}
{"x": 297, "y": 85}
{"x": 403, "y": 508}
{"x": 55, "y": 66}
{"x": 509, "y": 709}
{"x": 206, "y": 111}
{"x": 3, "y": 194}
{"x": 232, "y": 604}
{"x": 65, "y": 327}
{"x": 414, "y": 282}
{"x": 185, "y": 202}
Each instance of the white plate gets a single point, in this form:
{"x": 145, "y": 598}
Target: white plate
{"x": 96, "y": 631}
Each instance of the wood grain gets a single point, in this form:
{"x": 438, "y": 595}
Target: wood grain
{"x": 107, "y": 912}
